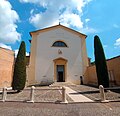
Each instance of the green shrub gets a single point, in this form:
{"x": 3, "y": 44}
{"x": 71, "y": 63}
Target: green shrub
{"x": 100, "y": 62}
{"x": 19, "y": 76}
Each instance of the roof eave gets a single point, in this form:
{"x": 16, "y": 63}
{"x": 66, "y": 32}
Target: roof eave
{"x": 32, "y": 32}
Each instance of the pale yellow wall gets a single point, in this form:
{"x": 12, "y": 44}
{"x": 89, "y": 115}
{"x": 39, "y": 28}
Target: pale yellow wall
{"x": 113, "y": 65}
{"x": 91, "y": 76}
{"x": 42, "y": 55}
{"x": 85, "y": 58}
{"x": 6, "y": 67}
{"x": 31, "y": 67}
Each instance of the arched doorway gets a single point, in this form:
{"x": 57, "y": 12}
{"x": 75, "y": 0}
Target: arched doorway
{"x": 60, "y": 70}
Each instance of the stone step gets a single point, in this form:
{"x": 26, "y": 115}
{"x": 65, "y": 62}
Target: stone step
{"x": 61, "y": 84}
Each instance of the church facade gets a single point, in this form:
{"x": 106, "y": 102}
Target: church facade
{"x": 58, "y": 54}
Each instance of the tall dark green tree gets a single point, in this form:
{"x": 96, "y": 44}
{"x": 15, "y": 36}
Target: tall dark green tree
{"x": 19, "y": 76}
{"x": 100, "y": 62}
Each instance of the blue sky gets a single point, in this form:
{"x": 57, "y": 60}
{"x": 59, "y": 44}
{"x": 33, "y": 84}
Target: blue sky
{"x": 92, "y": 17}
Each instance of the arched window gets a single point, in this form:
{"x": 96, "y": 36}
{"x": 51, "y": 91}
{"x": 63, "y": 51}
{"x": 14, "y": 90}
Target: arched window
{"x": 59, "y": 44}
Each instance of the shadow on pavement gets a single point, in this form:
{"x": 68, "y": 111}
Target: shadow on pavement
{"x": 86, "y": 92}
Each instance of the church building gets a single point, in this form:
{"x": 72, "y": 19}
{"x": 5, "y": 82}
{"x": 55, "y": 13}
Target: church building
{"x": 58, "y": 54}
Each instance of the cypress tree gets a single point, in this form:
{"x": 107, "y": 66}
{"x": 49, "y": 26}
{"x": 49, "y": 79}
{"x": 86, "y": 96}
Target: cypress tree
{"x": 19, "y": 76}
{"x": 100, "y": 62}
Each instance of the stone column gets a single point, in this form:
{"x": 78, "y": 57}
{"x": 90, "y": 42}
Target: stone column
{"x": 4, "y": 94}
{"x": 32, "y": 95}
{"x": 64, "y": 95}
{"x": 102, "y": 93}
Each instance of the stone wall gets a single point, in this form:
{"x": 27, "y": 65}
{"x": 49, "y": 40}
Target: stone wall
{"x": 6, "y": 67}
{"x": 113, "y": 65}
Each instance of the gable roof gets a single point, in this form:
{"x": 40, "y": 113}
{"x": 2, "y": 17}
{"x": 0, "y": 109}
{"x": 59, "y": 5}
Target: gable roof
{"x": 59, "y": 26}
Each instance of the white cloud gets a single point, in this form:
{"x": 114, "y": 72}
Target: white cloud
{"x": 71, "y": 19}
{"x": 117, "y": 43}
{"x": 105, "y": 46}
{"x": 31, "y": 1}
{"x": 8, "y": 19}
{"x": 87, "y": 20}
{"x": 31, "y": 12}
{"x": 27, "y": 54}
{"x": 69, "y": 12}
{"x": 16, "y": 52}
{"x": 5, "y": 46}
{"x": 88, "y": 30}
{"x": 115, "y": 25}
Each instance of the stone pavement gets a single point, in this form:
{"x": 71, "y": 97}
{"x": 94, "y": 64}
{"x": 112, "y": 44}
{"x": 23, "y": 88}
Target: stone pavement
{"x": 76, "y": 97}
{"x": 51, "y": 109}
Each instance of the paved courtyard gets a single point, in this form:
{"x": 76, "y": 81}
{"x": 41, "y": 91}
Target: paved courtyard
{"x": 74, "y": 93}
{"x": 51, "y": 109}
{"x": 47, "y": 102}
